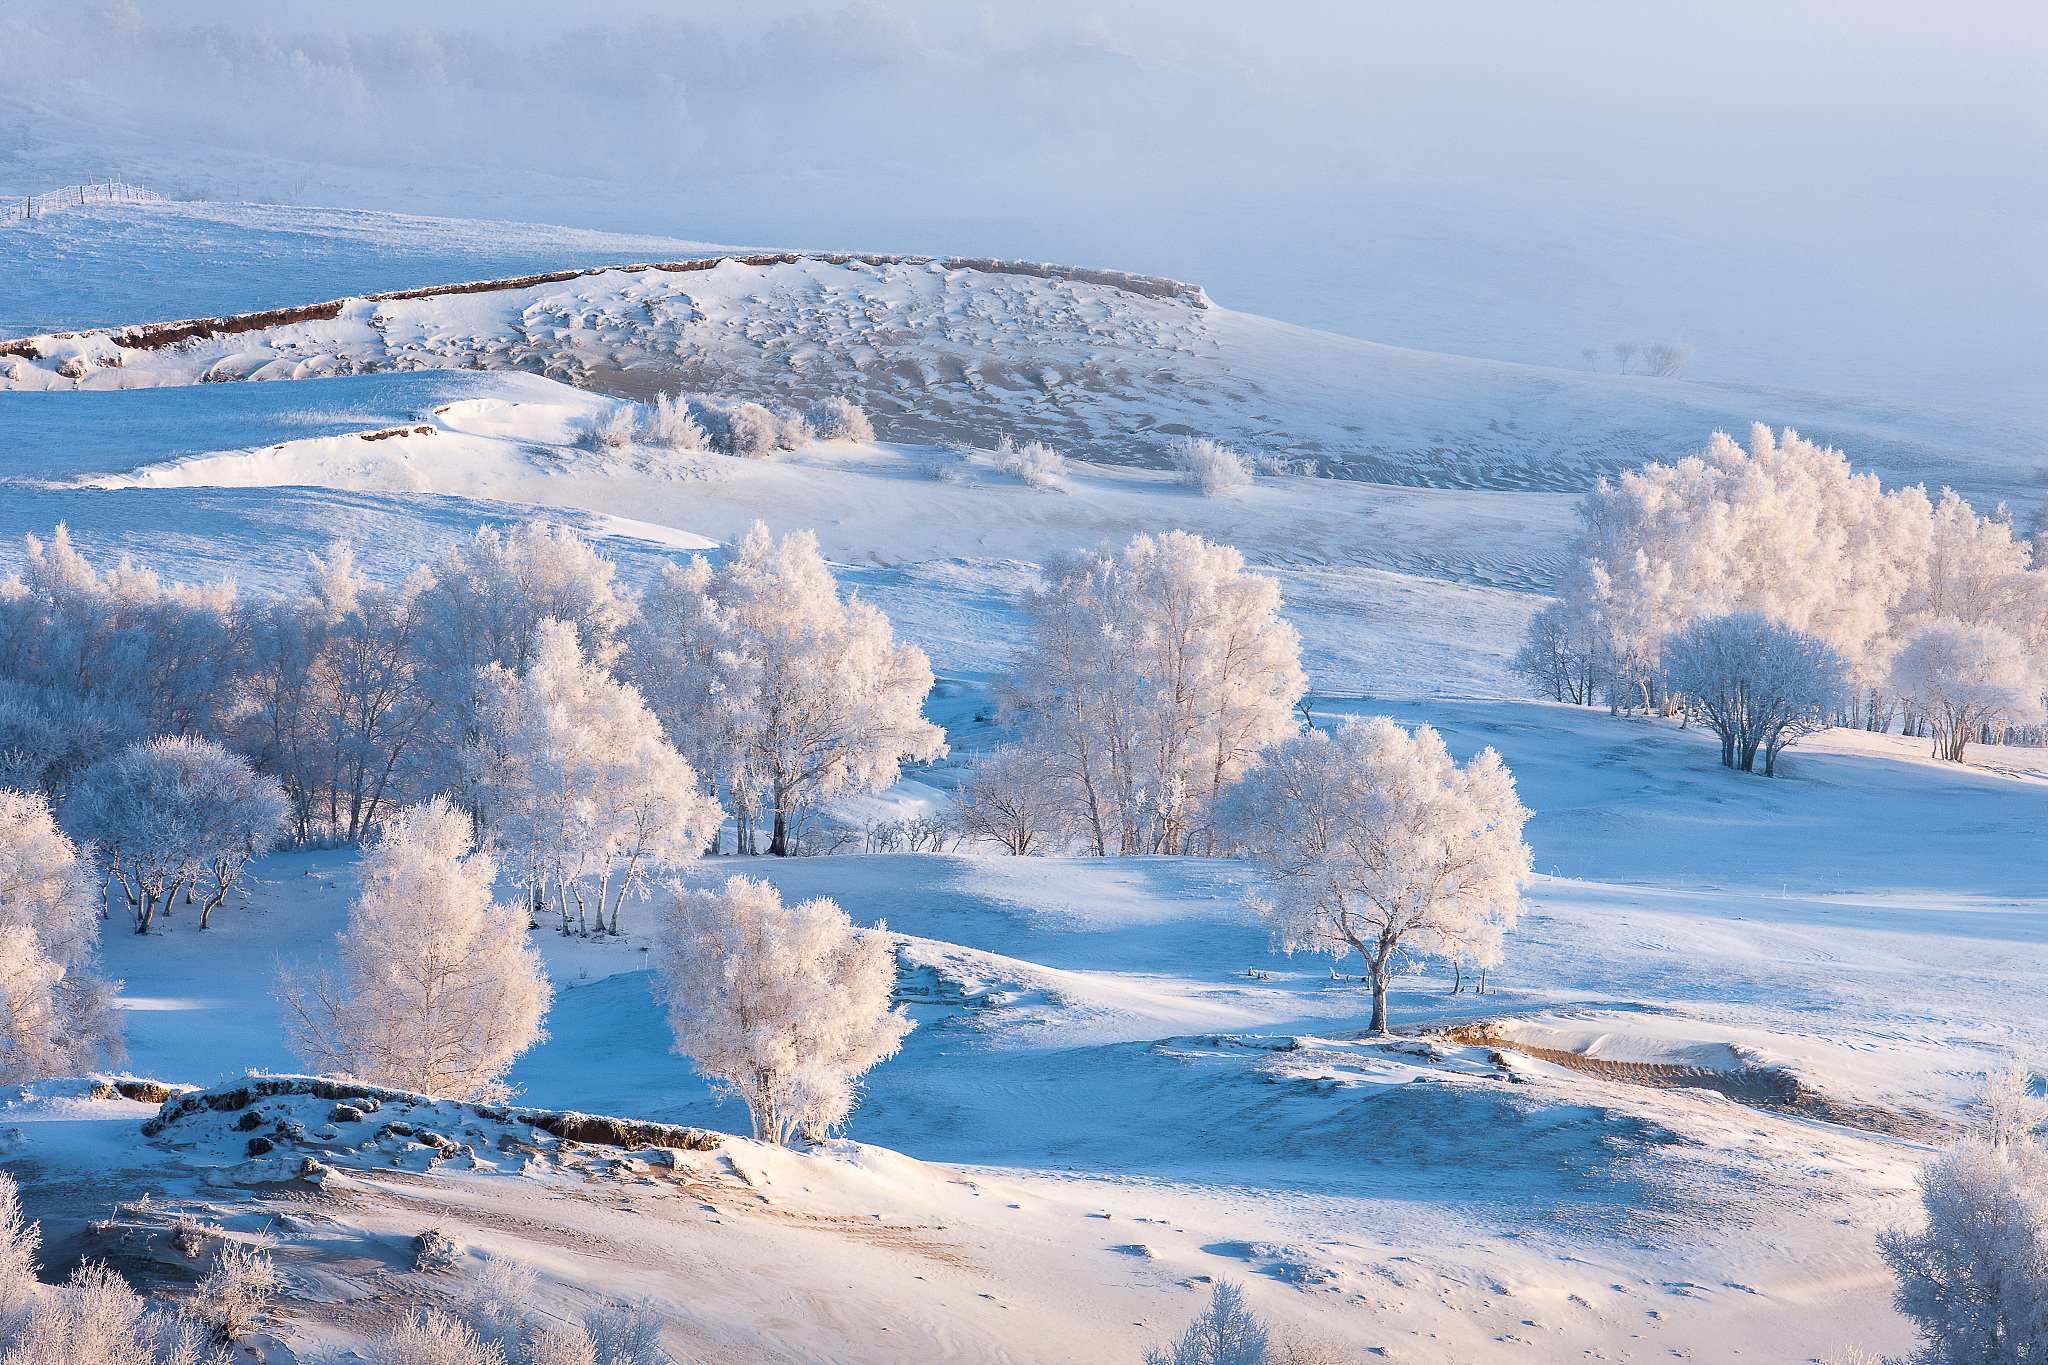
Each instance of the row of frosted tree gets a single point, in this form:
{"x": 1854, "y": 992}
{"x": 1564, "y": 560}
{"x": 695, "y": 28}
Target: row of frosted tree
{"x": 1845, "y": 604}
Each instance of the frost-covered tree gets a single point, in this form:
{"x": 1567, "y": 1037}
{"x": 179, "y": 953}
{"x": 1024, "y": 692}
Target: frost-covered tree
{"x": 58, "y": 1017}
{"x": 807, "y": 695}
{"x": 1206, "y": 465}
{"x": 1152, "y": 679}
{"x": 784, "y": 1006}
{"x": 1965, "y": 677}
{"x": 1227, "y": 1333}
{"x": 1788, "y": 529}
{"x": 574, "y": 776}
{"x": 1974, "y": 1278}
{"x": 20, "y": 1235}
{"x": 123, "y": 639}
{"x": 1009, "y": 798}
{"x": 1374, "y": 841}
{"x": 436, "y": 989}
{"x": 337, "y": 698}
{"x": 1758, "y": 683}
{"x": 2006, "y": 1109}
{"x": 48, "y": 735}
{"x": 484, "y": 600}
{"x": 174, "y": 815}
{"x": 1563, "y": 655}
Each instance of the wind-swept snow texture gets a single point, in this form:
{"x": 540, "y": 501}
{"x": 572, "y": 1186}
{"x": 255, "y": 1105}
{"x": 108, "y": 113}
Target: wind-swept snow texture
{"x": 1089, "y": 368}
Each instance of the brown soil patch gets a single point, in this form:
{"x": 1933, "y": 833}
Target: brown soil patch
{"x": 1758, "y": 1087}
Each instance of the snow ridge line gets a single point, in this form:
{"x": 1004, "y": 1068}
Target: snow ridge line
{"x": 152, "y": 335}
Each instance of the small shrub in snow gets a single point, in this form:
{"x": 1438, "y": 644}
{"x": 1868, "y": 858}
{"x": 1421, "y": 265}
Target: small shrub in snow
{"x": 611, "y": 428}
{"x": 438, "y": 990}
{"x": 94, "y": 1318}
{"x": 836, "y": 419}
{"x": 433, "y": 1250}
{"x": 624, "y": 1336}
{"x": 19, "y": 1238}
{"x": 435, "y": 1339}
{"x": 669, "y": 423}
{"x": 1032, "y": 462}
{"x": 1208, "y": 466}
{"x": 1227, "y": 1333}
{"x": 1280, "y": 465}
{"x": 752, "y": 432}
{"x": 1373, "y": 840}
{"x": 239, "y": 1287}
{"x": 781, "y": 1006}
{"x": 1975, "y": 1278}
{"x": 190, "y": 1238}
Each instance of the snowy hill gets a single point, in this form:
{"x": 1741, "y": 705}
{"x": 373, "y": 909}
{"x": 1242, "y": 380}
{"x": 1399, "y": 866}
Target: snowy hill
{"x": 970, "y": 354}
{"x": 1734, "y": 1018}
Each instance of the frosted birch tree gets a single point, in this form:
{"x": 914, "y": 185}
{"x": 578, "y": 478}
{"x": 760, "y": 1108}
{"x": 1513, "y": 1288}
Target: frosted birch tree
{"x": 1374, "y": 841}
{"x": 57, "y": 1015}
{"x": 1153, "y": 678}
{"x": 1965, "y": 678}
{"x": 783, "y": 1006}
{"x": 818, "y": 699}
{"x": 435, "y": 989}
{"x": 574, "y": 776}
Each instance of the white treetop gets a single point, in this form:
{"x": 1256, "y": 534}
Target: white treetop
{"x": 1964, "y": 677}
{"x": 793, "y": 695}
{"x": 1152, "y": 680}
{"x": 1787, "y": 529}
{"x": 1371, "y": 838}
{"x": 574, "y": 776}
{"x": 1760, "y": 684}
{"x": 782, "y": 1006}
{"x": 57, "y": 1016}
{"x": 436, "y": 989}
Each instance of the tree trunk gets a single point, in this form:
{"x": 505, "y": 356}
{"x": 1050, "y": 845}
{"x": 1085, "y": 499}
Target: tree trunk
{"x": 779, "y": 845}
{"x": 1378, "y": 969}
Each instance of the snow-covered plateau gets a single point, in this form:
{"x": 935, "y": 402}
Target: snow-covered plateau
{"x": 1736, "y": 1016}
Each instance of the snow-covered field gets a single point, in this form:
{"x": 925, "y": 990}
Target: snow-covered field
{"x": 1753, "y": 1006}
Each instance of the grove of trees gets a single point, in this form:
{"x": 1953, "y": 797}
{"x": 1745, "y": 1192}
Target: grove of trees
{"x": 1939, "y": 615}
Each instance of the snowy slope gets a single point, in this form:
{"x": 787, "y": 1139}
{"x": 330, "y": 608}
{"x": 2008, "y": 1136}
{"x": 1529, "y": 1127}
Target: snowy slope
{"x": 1096, "y": 371}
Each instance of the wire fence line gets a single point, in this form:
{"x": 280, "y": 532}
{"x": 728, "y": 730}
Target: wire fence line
{"x": 76, "y": 196}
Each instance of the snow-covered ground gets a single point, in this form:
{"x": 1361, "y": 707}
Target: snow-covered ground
{"x": 1735, "y": 1016}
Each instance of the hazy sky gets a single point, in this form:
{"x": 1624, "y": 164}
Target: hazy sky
{"x": 1843, "y": 195}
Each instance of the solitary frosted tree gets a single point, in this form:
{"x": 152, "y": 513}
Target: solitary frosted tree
{"x": 1974, "y": 1279}
{"x": 1372, "y": 839}
{"x": 436, "y": 989}
{"x": 1759, "y": 683}
{"x": 57, "y": 1015}
{"x": 1227, "y": 1333}
{"x": 784, "y": 1006}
